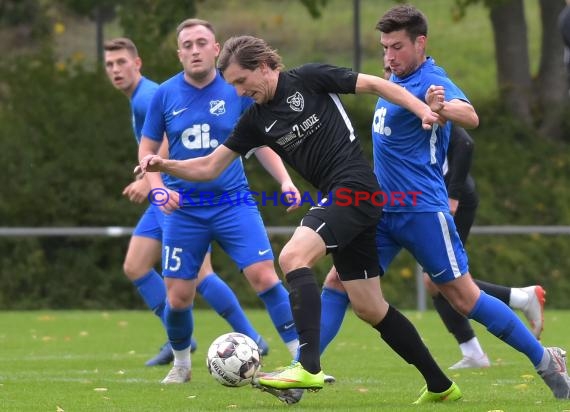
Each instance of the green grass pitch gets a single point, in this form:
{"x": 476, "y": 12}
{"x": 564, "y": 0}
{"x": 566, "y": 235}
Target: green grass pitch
{"x": 94, "y": 361}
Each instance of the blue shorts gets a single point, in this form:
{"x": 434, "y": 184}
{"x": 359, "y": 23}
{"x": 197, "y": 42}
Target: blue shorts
{"x": 431, "y": 237}
{"x": 188, "y": 232}
{"x": 150, "y": 224}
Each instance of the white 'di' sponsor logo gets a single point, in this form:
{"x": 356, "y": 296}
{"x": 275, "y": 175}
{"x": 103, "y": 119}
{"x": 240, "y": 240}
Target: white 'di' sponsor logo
{"x": 198, "y": 137}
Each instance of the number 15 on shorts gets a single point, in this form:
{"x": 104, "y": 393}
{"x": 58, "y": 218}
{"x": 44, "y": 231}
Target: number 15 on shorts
{"x": 172, "y": 260}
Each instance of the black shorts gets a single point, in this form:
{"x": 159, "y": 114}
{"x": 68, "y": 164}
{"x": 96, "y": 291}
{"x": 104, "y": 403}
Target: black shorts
{"x": 348, "y": 229}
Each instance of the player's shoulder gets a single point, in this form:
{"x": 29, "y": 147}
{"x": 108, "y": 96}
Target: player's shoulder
{"x": 430, "y": 69}
{"x": 148, "y": 84}
{"x": 434, "y": 74}
{"x": 322, "y": 78}
{"x": 144, "y": 92}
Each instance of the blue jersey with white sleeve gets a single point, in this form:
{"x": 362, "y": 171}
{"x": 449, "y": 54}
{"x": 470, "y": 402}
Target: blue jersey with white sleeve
{"x": 196, "y": 121}
{"x": 140, "y": 101}
{"x": 407, "y": 162}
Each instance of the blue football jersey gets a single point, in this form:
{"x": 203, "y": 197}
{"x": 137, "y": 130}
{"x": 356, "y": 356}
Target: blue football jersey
{"x": 196, "y": 121}
{"x": 408, "y": 160}
{"x": 140, "y": 101}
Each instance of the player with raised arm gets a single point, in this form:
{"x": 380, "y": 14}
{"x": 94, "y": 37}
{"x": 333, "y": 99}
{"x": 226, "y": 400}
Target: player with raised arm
{"x": 407, "y": 158}
{"x": 463, "y": 202}
{"x": 299, "y": 115}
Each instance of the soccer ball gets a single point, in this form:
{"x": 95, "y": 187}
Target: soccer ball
{"x": 233, "y": 359}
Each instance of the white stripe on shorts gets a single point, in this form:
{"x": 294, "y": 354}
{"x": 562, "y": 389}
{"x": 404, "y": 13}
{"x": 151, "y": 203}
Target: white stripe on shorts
{"x": 317, "y": 231}
{"x": 448, "y": 245}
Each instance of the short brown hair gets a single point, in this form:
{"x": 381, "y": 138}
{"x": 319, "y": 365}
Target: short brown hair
{"x": 405, "y": 17}
{"x": 249, "y": 52}
{"x": 194, "y": 22}
{"x": 121, "y": 43}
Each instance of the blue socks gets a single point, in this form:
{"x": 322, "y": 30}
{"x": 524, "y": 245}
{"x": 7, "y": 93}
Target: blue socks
{"x": 153, "y": 291}
{"x": 276, "y": 300}
{"x": 333, "y": 309}
{"x": 502, "y": 322}
{"x": 224, "y": 301}
{"x": 179, "y": 326}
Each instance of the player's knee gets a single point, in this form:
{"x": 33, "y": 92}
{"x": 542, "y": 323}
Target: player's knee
{"x": 178, "y": 304}
{"x": 133, "y": 271}
{"x": 367, "y": 314}
{"x": 461, "y": 306}
{"x": 261, "y": 275}
{"x": 371, "y": 311}
{"x": 180, "y": 300}
{"x": 289, "y": 260}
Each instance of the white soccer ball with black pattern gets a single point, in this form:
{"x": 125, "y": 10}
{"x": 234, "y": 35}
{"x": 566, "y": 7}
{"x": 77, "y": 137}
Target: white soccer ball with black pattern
{"x": 233, "y": 359}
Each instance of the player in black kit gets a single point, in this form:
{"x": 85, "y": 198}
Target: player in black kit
{"x": 299, "y": 115}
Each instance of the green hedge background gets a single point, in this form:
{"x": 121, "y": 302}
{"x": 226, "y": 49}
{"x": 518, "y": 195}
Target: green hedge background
{"x": 66, "y": 162}
{"x": 66, "y": 158}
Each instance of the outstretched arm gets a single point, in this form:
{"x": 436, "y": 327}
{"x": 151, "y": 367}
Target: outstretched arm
{"x": 274, "y": 165}
{"x": 198, "y": 169}
{"x": 366, "y": 83}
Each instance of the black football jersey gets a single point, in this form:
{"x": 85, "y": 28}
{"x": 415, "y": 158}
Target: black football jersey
{"x": 307, "y": 125}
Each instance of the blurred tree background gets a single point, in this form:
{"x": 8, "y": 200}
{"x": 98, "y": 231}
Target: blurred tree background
{"x": 68, "y": 149}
